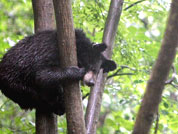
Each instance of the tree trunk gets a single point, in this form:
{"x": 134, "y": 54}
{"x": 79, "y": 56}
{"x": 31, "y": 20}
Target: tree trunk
{"x": 68, "y": 57}
{"x": 46, "y": 123}
{"x": 160, "y": 72}
{"x": 94, "y": 104}
{"x": 44, "y": 20}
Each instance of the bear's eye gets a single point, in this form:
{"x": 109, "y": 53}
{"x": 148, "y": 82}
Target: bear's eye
{"x": 94, "y": 70}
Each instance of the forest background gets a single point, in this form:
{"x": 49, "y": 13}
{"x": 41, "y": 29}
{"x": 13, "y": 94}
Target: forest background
{"x": 137, "y": 43}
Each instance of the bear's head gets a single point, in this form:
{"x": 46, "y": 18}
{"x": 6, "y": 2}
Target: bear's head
{"x": 90, "y": 57}
{"x": 93, "y": 60}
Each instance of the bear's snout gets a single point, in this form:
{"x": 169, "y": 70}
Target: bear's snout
{"x": 89, "y": 79}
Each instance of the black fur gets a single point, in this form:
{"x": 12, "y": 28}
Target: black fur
{"x": 30, "y": 74}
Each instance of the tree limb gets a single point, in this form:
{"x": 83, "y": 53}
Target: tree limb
{"x": 173, "y": 76}
{"x": 94, "y": 104}
{"x": 120, "y": 69}
{"x": 133, "y": 4}
{"x": 157, "y": 123}
{"x": 160, "y": 72}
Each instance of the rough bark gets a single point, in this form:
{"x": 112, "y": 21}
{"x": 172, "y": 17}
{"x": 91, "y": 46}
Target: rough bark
{"x": 94, "y": 104}
{"x": 67, "y": 48}
{"x": 43, "y": 15}
{"x": 46, "y": 123}
{"x": 44, "y": 20}
{"x": 160, "y": 71}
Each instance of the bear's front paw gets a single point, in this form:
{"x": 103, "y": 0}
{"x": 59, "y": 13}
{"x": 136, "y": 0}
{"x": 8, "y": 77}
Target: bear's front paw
{"x": 76, "y": 73}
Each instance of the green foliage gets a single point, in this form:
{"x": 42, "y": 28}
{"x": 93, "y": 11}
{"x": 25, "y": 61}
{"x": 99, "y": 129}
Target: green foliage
{"x": 16, "y": 22}
{"x": 137, "y": 43}
{"x": 13, "y": 120}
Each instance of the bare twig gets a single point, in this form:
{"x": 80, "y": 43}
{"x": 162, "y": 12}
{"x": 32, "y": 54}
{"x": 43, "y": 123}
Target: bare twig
{"x": 157, "y": 123}
{"x": 102, "y": 117}
{"x": 4, "y": 103}
{"x": 174, "y": 85}
{"x": 85, "y": 96}
{"x": 173, "y": 76}
{"x": 171, "y": 80}
{"x": 100, "y": 9}
{"x": 119, "y": 74}
{"x": 133, "y": 4}
{"x": 120, "y": 69}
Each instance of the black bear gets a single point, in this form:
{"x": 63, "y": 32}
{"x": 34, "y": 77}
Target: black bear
{"x": 30, "y": 74}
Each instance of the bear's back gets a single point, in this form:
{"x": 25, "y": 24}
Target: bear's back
{"x": 30, "y": 55}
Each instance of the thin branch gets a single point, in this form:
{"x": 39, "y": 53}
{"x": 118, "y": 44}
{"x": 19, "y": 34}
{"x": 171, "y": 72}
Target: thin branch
{"x": 133, "y": 4}
{"x": 120, "y": 69}
{"x": 157, "y": 123}
{"x": 125, "y": 66}
{"x": 103, "y": 116}
{"x": 174, "y": 85}
{"x": 16, "y": 130}
{"x": 170, "y": 81}
{"x": 173, "y": 76}
{"x": 119, "y": 75}
{"x": 100, "y": 9}
{"x": 4, "y": 103}
{"x": 85, "y": 96}
{"x": 94, "y": 103}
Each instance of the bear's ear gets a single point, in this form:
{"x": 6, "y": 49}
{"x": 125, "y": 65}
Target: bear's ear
{"x": 99, "y": 47}
{"x": 108, "y": 65}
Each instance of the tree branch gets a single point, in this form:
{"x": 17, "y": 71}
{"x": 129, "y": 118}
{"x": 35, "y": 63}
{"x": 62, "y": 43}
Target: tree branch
{"x": 120, "y": 69}
{"x": 133, "y": 4}
{"x": 4, "y": 104}
{"x": 171, "y": 80}
{"x": 94, "y": 103}
{"x": 173, "y": 76}
{"x": 157, "y": 123}
{"x": 160, "y": 72}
